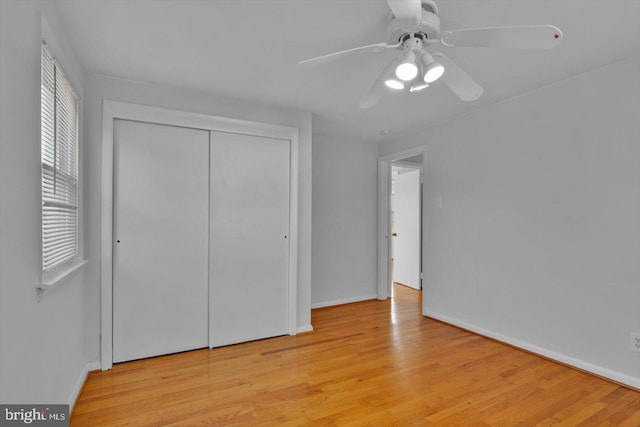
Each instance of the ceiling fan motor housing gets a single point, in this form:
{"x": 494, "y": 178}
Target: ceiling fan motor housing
{"x": 428, "y": 29}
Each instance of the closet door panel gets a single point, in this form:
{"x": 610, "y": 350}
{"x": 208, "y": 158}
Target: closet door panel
{"x": 249, "y": 242}
{"x": 161, "y": 216}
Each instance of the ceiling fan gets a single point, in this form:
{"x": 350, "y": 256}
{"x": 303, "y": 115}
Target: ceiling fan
{"x": 414, "y": 25}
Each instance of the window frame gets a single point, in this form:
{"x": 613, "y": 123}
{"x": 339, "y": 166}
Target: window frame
{"x": 57, "y": 274}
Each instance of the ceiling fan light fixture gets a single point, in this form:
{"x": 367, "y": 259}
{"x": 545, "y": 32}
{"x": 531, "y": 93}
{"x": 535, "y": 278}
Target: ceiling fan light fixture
{"x": 433, "y": 70}
{"x": 394, "y": 84}
{"x": 407, "y": 70}
{"x": 418, "y": 87}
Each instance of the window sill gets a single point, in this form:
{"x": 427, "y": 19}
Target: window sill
{"x": 57, "y": 278}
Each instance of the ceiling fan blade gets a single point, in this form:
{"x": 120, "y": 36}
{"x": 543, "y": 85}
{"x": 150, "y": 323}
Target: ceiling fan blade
{"x": 374, "y": 93}
{"x": 406, "y": 9}
{"x": 377, "y": 47}
{"x": 523, "y": 37}
{"x": 457, "y": 80}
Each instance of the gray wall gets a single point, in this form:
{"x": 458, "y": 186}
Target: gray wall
{"x": 538, "y": 238}
{"x": 41, "y": 342}
{"x": 344, "y": 221}
{"x": 98, "y": 88}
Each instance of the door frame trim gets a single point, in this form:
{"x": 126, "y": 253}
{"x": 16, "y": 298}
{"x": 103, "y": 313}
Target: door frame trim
{"x": 384, "y": 217}
{"x": 112, "y": 110}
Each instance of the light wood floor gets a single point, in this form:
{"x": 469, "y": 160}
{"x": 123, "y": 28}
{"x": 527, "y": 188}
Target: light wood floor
{"x": 371, "y": 363}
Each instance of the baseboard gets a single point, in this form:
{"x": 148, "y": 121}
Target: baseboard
{"x": 344, "y": 301}
{"x": 303, "y": 329}
{"x": 92, "y": 366}
{"x": 597, "y": 370}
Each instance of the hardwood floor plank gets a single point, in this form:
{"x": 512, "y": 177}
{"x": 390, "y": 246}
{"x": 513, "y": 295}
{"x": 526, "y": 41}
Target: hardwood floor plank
{"x": 377, "y": 363}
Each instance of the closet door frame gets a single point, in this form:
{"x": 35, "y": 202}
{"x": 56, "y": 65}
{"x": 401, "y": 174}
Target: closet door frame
{"x": 112, "y": 110}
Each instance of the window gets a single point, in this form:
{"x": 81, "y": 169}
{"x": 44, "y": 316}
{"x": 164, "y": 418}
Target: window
{"x": 59, "y": 152}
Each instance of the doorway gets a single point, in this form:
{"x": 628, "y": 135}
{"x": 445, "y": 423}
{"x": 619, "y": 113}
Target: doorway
{"x": 412, "y": 159}
{"x": 405, "y": 204}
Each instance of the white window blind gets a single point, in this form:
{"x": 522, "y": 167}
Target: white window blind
{"x": 59, "y": 136}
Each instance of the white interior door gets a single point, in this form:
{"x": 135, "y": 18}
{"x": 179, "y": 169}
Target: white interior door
{"x": 249, "y": 238}
{"x": 406, "y": 227}
{"x": 160, "y": 254}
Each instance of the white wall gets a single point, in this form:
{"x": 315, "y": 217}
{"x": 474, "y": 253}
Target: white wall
{"x": 98, "y": 88}
{"x": 344, "y": 221}
{"x": 538, "y": 238}
{"x": 41, "y": 342}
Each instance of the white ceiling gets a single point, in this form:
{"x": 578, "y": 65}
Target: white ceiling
{"x": 248, "y": 49}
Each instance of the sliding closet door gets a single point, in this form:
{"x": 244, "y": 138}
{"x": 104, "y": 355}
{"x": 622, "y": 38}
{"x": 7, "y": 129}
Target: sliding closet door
{"x": 160, "y": 265}
{"x": 249, "y": 238}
